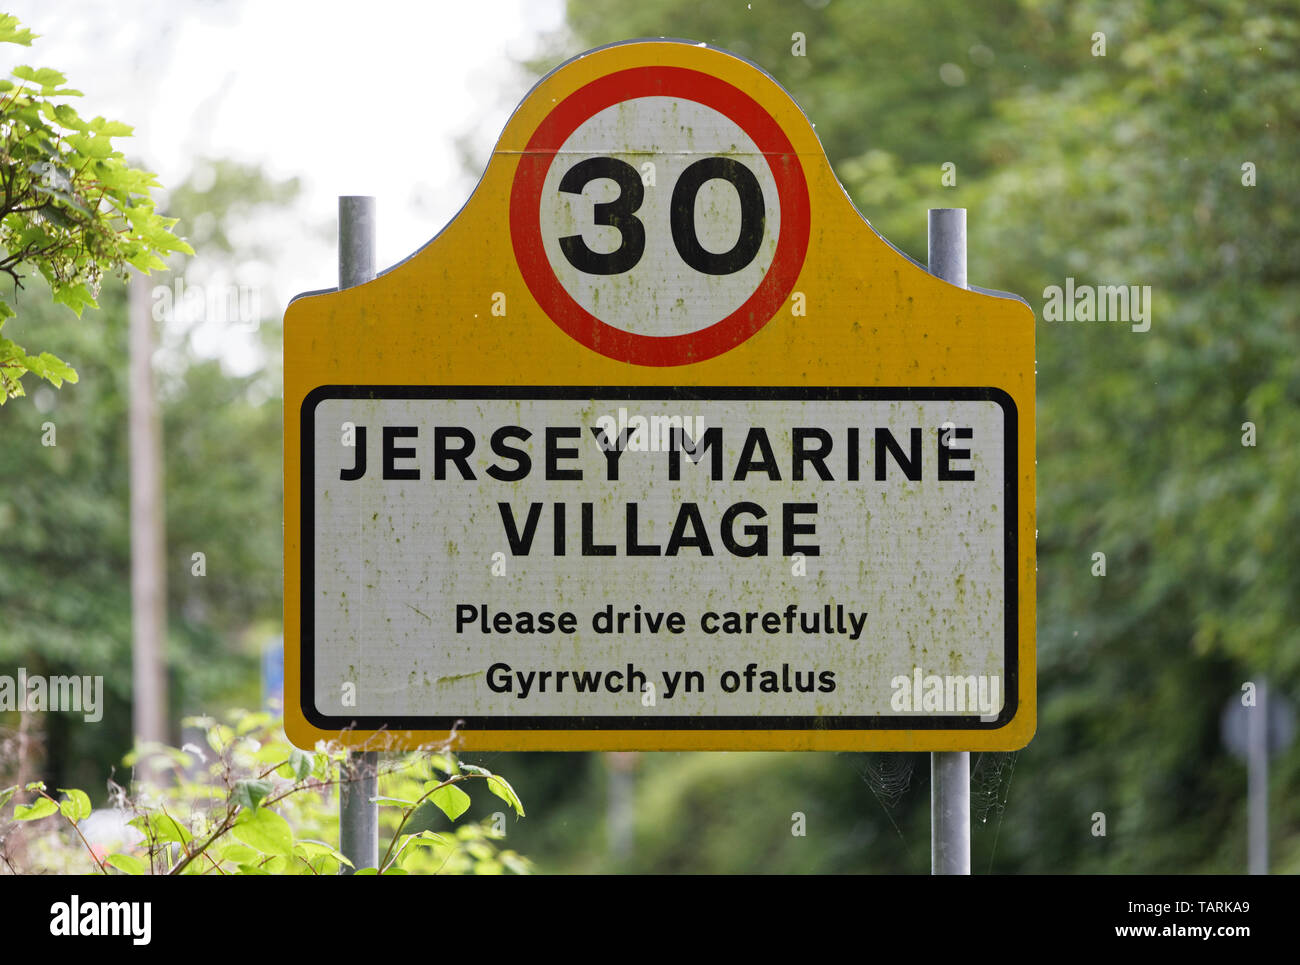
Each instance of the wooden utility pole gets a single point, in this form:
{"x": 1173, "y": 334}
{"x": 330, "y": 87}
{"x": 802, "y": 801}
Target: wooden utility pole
{"x": 148, "y": 575}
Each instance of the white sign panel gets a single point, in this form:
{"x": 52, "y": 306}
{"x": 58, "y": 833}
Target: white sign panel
{"x": 693, "y": 558}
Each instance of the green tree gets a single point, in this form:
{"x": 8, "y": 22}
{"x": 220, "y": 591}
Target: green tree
{"x": 65, "y": 506}
{"x": 73, "y": 210}
{"x": 1127, "y": 168}
{"x": 1130, "y": 171}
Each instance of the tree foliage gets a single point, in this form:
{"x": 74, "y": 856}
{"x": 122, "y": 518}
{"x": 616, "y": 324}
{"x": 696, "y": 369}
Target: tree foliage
{"x": 1127, "y": 168}
{"x": 65, "y": 508}
{"x": 72, "y": 209}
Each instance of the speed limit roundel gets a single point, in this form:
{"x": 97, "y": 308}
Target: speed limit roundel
{"x": 659, "y": 216}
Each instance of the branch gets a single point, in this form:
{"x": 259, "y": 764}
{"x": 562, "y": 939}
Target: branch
{"x": 225, "y": 826}
{"x": 99, "y": 864}
{"x": 407, "y": 812}
{"x": 214, "y": 864}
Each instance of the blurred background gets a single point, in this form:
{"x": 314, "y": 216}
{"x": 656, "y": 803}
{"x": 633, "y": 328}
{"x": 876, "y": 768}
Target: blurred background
{"x": 1148, "y": 143}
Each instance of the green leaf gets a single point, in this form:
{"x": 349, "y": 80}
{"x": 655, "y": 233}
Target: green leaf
{"x": 167, "y": 828}
{"x": 44, "y": 145}
{"x": 250, "y": 793}
{"x": 266, "y": 831}
{"x": 431, "y": 839}
{"x": 441, "y": 763}
{"x": 309, "y": 849}
{"x": 35, "y": 786}
{"x": 55, "y": 370}
{"x": 77, "y": 297}
{"x": 99, "y": 146}
{"x": 111, "y": 128}
{"x": 54, "y": 216}
{"x": 34, "y": 812}
{"x": 392, "y": 800}
{"x": 251, "y": 722}
{"x": 67, "y": 197}
{"x": 77, "y": 806}
{"x": 6, "y": 794}
{"x": 164, "y": 240}
{"x": 66, "y": 115}
{"x": 272, "y": 752}
{"x": 499, "y": 786}
{"x": 320, "y": 856}
{"x": 127, "y": 863}
{"x": 452, "y": 800}
{"x": 146, "y": 261}
{"x": 46, "y": 77}
{"x": 238, "y": 853}
{"x": 301, "y": 764}
{"x": 11, "y": 32}
{"x": 219, "y": 737}
{"x": 475, "y": 769}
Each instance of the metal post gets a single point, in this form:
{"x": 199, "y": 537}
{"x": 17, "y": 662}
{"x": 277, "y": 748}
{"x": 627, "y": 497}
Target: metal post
{"x": 620, "y": 807}
{"x": 949, "y": 770}
{"x": 358, "y": 813}
{"x": 1257, "y": 721}
{"x": 950, "y": 813}
{"x": 356, "y": 241}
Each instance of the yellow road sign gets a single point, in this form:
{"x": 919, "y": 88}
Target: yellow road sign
{"x": 659, "y": 446}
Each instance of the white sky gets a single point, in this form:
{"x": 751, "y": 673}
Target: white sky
{"x": 354, "y": 98}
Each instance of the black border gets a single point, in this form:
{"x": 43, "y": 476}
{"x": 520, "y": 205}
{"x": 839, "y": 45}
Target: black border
{"x": 307, "y": 664}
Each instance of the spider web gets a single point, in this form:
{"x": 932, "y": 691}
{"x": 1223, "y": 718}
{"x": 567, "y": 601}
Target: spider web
{"x": 889, "y": 776}
{"x": 990, "y": 785}
{"x": 990, "y": 789}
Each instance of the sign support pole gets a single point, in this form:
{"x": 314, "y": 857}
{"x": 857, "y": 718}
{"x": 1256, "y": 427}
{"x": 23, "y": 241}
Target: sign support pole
{"x": 949, "y": 770}
{"x": 358, "y": 812}
{"x": 1257, "y": 741}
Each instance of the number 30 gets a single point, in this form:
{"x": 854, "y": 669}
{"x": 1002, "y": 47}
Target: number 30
{"x": 621, "y": 214}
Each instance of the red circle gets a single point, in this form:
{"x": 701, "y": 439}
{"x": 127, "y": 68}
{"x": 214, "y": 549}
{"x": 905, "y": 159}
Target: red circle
{"x": 526, "y": 231}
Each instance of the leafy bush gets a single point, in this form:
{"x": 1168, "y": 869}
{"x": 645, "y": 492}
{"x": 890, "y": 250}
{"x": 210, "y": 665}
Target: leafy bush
{"x": 251, "y": 803}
